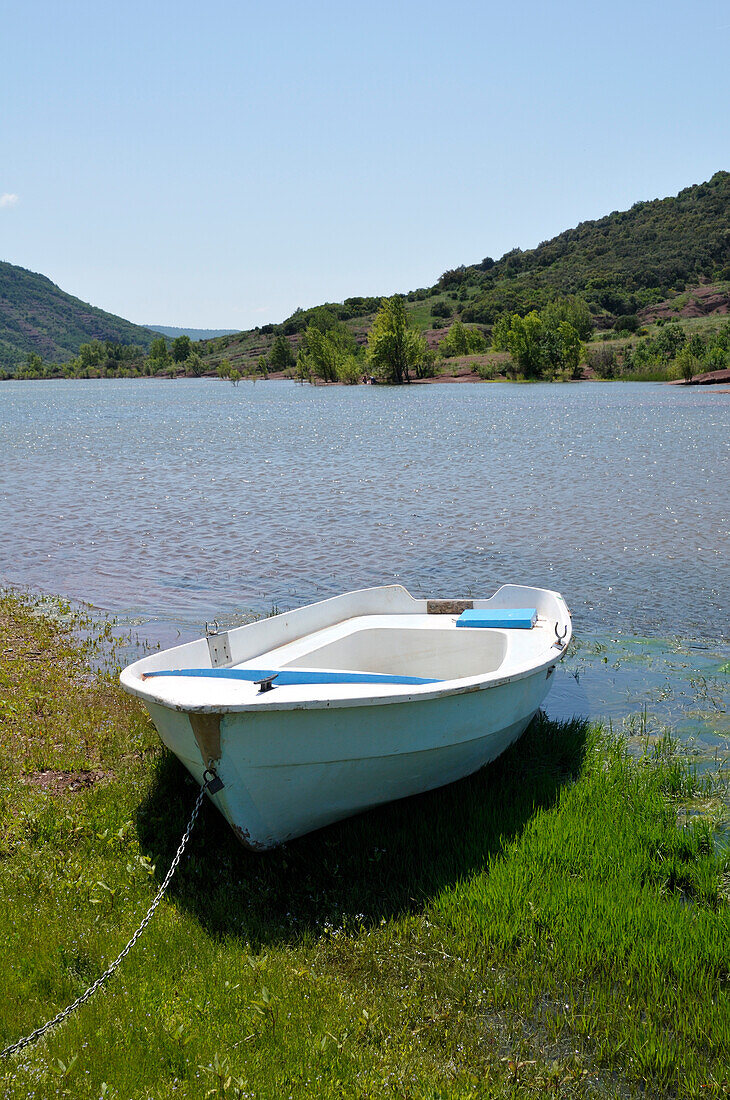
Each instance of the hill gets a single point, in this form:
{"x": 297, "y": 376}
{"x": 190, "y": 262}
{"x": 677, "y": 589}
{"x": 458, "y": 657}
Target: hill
{"x": 37, "y": 316}
{"x": 660, "y": 253}
{"x": 618, "y": 264}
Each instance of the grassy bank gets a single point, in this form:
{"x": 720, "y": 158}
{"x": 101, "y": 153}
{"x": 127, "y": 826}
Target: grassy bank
{"x": 556, "y": 925}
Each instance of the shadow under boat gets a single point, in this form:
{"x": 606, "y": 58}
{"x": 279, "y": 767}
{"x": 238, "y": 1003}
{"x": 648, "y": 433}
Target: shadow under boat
{"x": 386, "y": 862}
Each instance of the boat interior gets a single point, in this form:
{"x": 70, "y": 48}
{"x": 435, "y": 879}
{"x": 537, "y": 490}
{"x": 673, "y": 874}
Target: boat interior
{"x": 400, "y": 645}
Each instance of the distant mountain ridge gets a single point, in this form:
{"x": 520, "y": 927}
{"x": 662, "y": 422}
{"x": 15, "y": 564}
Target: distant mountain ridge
{"x": 37, "y": 316}
{"x": 193, "y": 333}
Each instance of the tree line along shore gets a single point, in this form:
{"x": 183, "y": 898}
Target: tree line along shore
{"x": 556, "y": 343}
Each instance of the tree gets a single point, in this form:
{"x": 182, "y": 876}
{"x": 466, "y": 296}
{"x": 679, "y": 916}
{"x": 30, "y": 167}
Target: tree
{"x": 424, "y": 363}
{"x": 328, "y": 349}
{"x": 349, "y": 370}
{"x": 92, "y": 354}
{"x": 195, "y": 364}
{"x": 158, "y": 354}
{"x": 33, "y": 367}
{"x": 539, "y": 342}
{"x": 575, "y": 311}
{"x": 560, "y": 348}
{"x": 181, "y": 348}
{"x": 393, "y": 346}
{"x": 281, "y": 356}
{"x": 696, "y": 345}
{"x": 500, "y": 333}
{"x": 687, "y": 363}
{"x": 603, "y": 361}
{"x": 322, "y": 317}
{"x": 670, "y": 340}
{"x": 303, "y": 368}
{"x": 524, "y": 343}
{"x": 715, "y": 358}
{"x": 322, "y": 354}
{"x": 224, "y": 368}
{"x": 460, "y": 340}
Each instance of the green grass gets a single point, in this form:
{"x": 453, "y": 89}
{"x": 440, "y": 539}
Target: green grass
{"x": 542, "y": 928}
{"x": 420, "y": 313}
{"x": 668, "y": 373}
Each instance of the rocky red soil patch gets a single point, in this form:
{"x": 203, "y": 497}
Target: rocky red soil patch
{"x": 711, "y": 378}
{"x": 699, "y": 301}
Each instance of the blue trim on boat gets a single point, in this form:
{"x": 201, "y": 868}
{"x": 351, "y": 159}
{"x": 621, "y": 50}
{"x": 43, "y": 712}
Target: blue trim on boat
{"x": 287, "y": 677}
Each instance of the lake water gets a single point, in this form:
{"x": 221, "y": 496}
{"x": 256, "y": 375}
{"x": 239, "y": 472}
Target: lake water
{"x": 172, "y": 503}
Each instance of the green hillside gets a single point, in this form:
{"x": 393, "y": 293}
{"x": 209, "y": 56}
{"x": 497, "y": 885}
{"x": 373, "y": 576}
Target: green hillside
{"x": 618, "y": 264}
{"x": 36, "y": 316}
{"x": 625, "y": 262}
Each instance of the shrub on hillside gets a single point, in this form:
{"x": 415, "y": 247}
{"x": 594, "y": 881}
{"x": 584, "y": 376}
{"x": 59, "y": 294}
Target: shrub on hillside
{"x": 627, "y": 322}
{"x": 602, "y": 362}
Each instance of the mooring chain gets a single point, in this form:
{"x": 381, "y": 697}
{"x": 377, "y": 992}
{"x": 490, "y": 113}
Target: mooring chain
{"x": 34, "y": 1035}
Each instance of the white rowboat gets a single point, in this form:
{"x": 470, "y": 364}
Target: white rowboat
{"x": 315, "y": 714}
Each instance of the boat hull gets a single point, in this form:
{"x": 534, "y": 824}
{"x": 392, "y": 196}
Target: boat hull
{"x": 286, "y": 774}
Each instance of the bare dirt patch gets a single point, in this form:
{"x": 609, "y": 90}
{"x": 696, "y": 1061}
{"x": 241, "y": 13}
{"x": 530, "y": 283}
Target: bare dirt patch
{"x": 58, "y": 782}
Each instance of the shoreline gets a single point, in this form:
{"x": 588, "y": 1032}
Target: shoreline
{"x": 457, "y": 377}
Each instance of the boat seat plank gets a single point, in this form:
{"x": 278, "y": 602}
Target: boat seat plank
{"x": 508, "y": 618}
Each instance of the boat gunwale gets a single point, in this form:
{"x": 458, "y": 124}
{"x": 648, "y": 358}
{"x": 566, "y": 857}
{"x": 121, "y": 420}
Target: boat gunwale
{"x": 461, "y": 686}
{"x": 374, "y": 695}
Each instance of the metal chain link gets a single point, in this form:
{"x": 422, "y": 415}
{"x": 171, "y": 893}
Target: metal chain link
{"x": 34, "y": 1035}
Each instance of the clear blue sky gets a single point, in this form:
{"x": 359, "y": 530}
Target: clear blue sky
{"x": 218, "y": 164}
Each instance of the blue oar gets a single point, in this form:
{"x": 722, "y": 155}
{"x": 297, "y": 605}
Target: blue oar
{"x": 288, "y": 676}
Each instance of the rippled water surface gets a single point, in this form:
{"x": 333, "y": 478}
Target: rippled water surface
{"x": 176, "y": 502}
